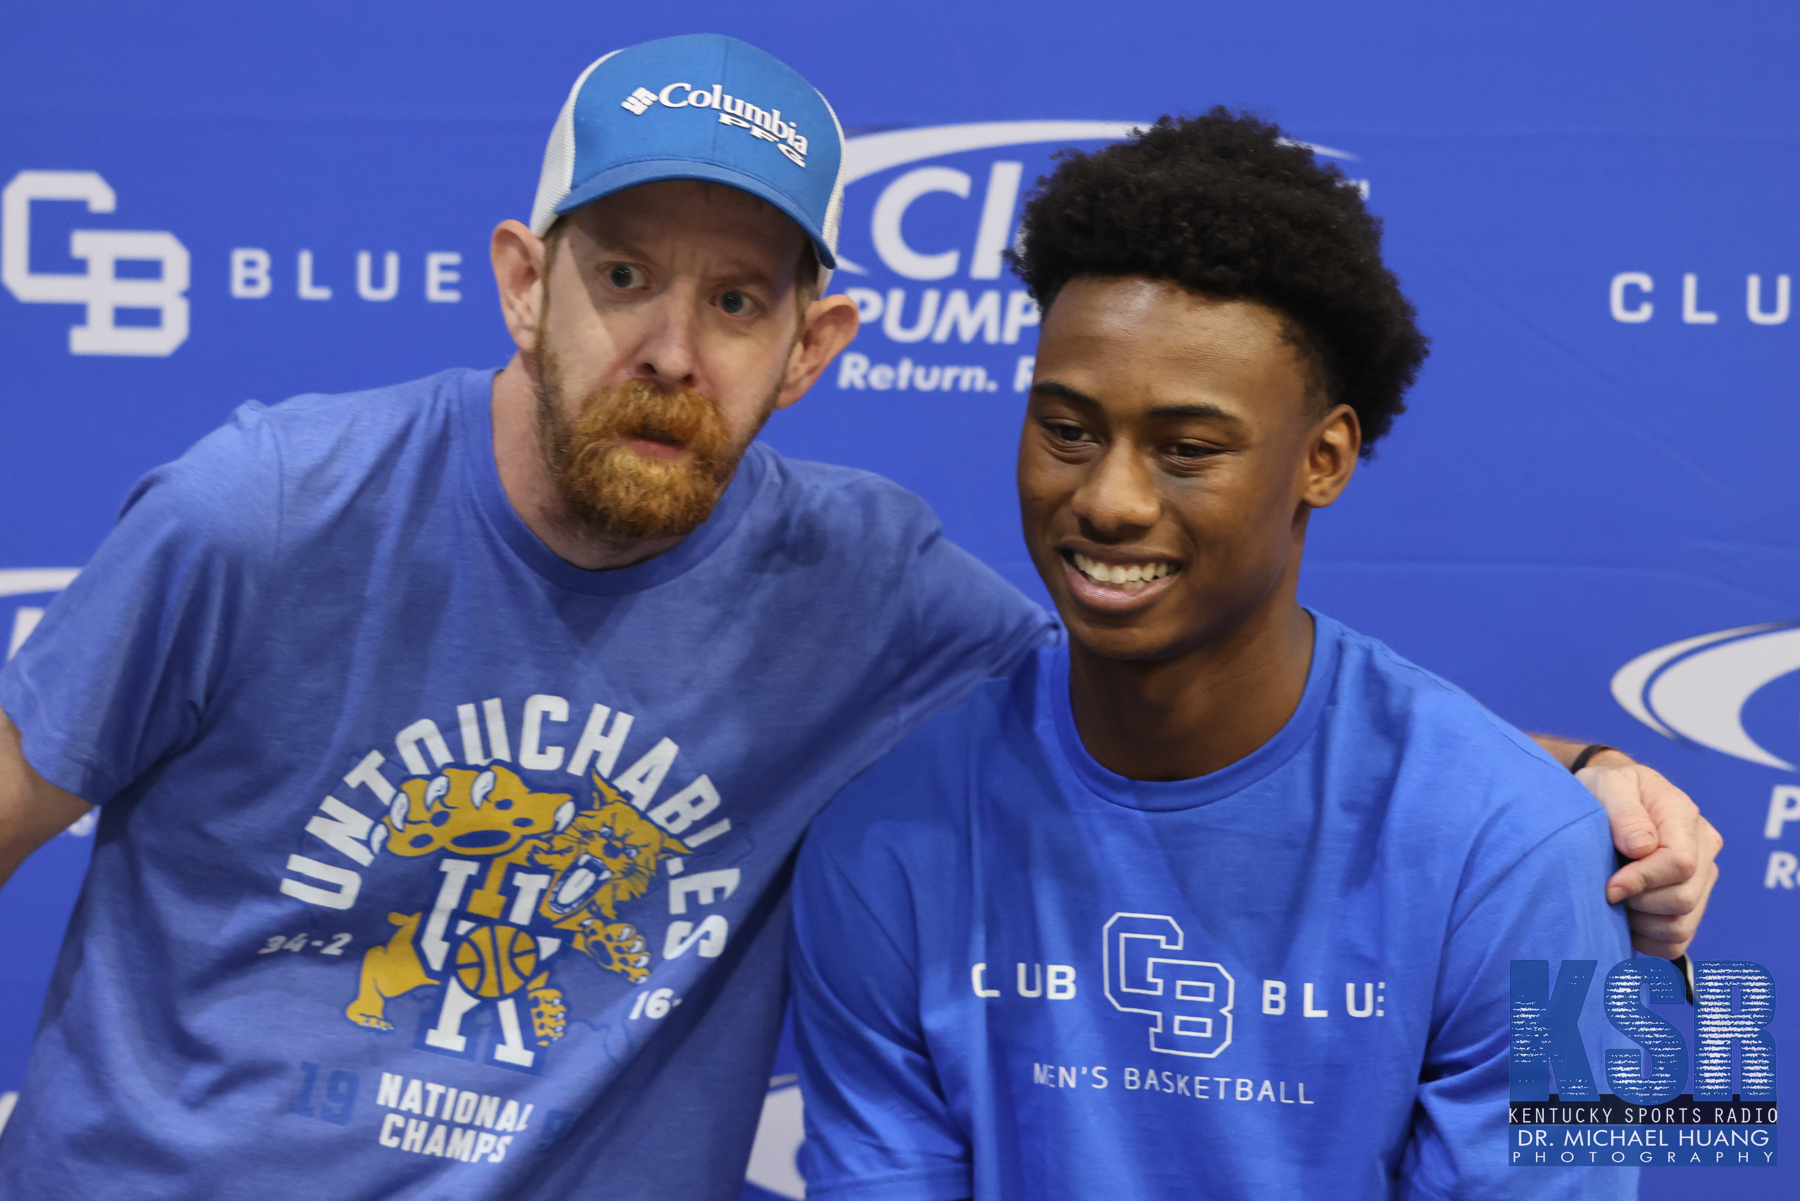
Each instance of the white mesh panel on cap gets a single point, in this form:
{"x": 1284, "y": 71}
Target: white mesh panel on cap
{"x": 834, "y": 208}
{"x": 558, "y": 173}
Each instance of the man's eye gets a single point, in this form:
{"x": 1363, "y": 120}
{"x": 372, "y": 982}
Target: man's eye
{"x": 1066, "y": 433}
{"x": 735, "y": 302}
{"x": 1190, "y": 452}
{"x": 624, "y": 276}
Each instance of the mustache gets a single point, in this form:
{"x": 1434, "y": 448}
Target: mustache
{"x": 686, "y": 418}
{"x": 612, "y": 488}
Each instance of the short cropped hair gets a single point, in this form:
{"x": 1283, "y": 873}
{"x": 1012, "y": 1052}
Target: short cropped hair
{"x": 1225, "y": 205}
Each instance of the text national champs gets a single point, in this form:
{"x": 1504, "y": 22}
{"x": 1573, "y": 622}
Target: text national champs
{"x": 453, "y": 743}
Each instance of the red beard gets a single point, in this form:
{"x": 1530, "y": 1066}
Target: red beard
{"x": 611, "y": 488}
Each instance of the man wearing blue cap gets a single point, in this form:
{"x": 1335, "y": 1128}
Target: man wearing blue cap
{"x": 452, "y": 740}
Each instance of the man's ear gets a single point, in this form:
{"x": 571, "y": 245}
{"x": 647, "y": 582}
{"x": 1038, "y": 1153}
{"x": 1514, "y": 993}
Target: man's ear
{"x": 829, "y": 324}
{"x": 1331, "y": 458}
{"x": 519, "y": 273}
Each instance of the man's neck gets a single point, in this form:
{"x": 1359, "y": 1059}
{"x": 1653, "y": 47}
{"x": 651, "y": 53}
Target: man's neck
{"x": 519, "y": 454}
{"x": 1200, "y": 711}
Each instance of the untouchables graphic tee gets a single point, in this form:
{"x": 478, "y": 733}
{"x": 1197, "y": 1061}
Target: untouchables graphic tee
{"x": 427, "y": 864}
{"x": 1020, "y": 975}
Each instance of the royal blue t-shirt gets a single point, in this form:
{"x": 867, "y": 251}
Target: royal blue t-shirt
{"x": 1021, "y": 975}
{"x": 427, "y": 864}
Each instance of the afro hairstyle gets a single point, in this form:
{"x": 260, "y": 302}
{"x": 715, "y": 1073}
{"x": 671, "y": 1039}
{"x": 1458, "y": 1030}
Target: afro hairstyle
{"x": 1225, "y": 205}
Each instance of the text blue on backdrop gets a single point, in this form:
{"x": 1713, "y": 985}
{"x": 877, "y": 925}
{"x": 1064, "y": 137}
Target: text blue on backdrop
{"x": 1585, "y": 519}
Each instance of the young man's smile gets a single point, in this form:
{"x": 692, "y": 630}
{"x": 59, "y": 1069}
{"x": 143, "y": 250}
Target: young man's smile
{"x": 1105, "y": 580}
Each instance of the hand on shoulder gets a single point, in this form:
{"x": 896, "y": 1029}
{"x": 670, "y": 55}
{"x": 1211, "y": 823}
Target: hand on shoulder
{"x": 1672, "y": 847}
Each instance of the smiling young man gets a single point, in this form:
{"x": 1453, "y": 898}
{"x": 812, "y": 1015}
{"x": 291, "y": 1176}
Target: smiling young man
{"x": 1219, "y": 899}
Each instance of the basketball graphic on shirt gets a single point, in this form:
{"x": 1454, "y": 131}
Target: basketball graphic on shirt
{"x": 495, "y": 961}
{"x": 532, "y": 876}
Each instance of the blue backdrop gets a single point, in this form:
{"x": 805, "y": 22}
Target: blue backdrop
{"x": 1591, "y": 206}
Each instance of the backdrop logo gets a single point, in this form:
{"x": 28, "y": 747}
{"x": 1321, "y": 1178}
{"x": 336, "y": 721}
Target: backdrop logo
{"x": 100, "y": 288}
{"x": 773, "y": 1163}
{"x": 1629, "y": 300}
{"x": 26, "y": 581}
{"x": 927, "y": 234}
{"x": 1695, "y": 690}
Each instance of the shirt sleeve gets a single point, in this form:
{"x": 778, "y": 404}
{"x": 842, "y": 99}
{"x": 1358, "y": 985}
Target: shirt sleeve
{"x": 967, "y": 625}
{"x": 1550, "y": 904}
{"x": 877, "y": 1125}
{"x": 120, "y": 671}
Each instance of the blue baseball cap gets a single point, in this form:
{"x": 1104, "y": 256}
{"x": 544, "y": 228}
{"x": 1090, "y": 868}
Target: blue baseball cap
{"x": 701, "y": 106}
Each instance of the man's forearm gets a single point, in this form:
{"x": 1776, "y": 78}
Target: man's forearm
{"x": 32, "y": 810}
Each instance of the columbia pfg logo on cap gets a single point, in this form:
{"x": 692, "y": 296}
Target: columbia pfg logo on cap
{"x": 741, "y": 114}
{"x": 703, "y": 107}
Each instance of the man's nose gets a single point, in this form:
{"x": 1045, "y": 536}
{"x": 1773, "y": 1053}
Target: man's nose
{"x": 669, "y": 352}
{"x": 1118, "y": 498}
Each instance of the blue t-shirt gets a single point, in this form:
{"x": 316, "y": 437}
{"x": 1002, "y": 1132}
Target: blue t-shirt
{"x": 429, "y": 865}
{"x": 1020, "y": 975}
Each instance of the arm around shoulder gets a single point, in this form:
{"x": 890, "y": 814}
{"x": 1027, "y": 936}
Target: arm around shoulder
{"x": 1672, "y": 848}
{"x": 968, "y": 624}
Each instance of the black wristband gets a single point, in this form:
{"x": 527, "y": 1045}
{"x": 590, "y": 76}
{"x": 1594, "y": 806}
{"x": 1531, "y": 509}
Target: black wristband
{"x": 1587, "y": 753}
{"x": 1686, "y": 967}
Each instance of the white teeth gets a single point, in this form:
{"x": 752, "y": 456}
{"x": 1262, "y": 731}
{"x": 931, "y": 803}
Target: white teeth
{"x": 1133, "y": 577}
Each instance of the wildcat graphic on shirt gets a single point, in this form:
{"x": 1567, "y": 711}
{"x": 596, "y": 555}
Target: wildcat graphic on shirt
{"x": 488, "y": 822}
